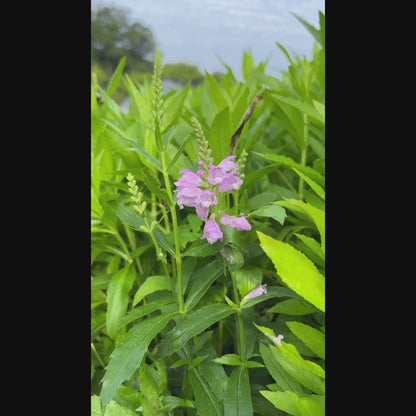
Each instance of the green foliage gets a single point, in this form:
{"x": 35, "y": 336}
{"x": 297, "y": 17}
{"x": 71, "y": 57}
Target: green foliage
{"x": 171, "y": 330}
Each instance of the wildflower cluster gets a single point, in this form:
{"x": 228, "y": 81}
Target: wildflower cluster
{"x": 199, "y": 190}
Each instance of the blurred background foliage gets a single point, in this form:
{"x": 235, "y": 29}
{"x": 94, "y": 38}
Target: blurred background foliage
{"x": 114, "y": 34}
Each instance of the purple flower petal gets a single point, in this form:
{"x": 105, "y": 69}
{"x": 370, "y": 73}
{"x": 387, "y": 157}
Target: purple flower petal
{"x": 216, "y": 175}
{"x": 255, "y": 293}
{"x": 226, "y": 165}
{"x": 240, "y": 223}
{"x": 212, "y": 232}
{"x": 188, "y": 195}
{"x": 230, "y": 182}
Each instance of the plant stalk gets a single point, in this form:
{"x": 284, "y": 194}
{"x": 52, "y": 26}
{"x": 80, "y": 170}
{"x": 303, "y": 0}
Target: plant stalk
{"x": 178, "y": 258}
{"x": 240, "y": 319}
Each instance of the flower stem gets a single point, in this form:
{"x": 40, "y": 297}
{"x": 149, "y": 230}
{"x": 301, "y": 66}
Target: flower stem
{"x": 178, "y": 258}
{"x": 303, "y": 152}
{"x": 240, "y": 319}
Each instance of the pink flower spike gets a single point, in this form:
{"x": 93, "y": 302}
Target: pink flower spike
{"x": 207, "y": 198}
{"x": 216, "y": 175}
{"x": 226, "y": 165}
{"x": 202, "y": 212}
{"x": 229, "y": 182}
{"x": 200, "y": 162}
{"x": 188, "y": 178}
{"x": 212, "y": 231}
{"x": 240, "y": 223}
{"x": 255, "y": 293}
{"x": 188, "y": 195}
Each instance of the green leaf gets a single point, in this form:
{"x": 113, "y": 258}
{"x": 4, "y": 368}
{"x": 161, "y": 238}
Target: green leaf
{"x": 228, "y": 359}
{"x": 150, "y": 403}
{"x": 296, "y": 405}
{"x": 302, "y": 106}
{"x": 118, "y": 298}
{"x": 115, "y": 79}
{"x": 315, "y": 33}
{"x": 317, "y": 215}
{"x": 219, "y": 137}
{"x": 131, "y": 218}
{"x": 128, "y": 354}
{"x": 306, "y": 372}
{"x": 293, "y": 307}
{"x": 201, "y": 248}
{"x": 283, "y": 400}
{"x": 115, "y": 409}
{"x": 272, "y": 292}
{"x": 311, "y": 337}
{"x": 270, "y": 211}
{"x": 284, "y": 380}
{"x": 319, "y": 191}
{"x": 150, "y": 285}
{"x": 296, "y": 270}
{"x": 312, "y": 244}
{"x": 287, "y": 161}
{"x": 248, "y": 278}
{"x": 195, "y": 323}
{"x": 204, "y": 277}
{"x": 216, "y": 93}
{"x": 237, "y": 400}
{"x": 205, "y": 401}
{"x": 95, "y": 406}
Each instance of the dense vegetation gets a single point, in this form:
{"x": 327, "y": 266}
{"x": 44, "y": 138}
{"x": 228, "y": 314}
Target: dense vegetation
{"x": 193, "y": 318}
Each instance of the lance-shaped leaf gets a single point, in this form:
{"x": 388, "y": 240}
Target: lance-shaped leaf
{"x": 312, "y": 337}
{"x": 150, "y": 285}
{"x": 206, "y": 402}
{"x": 237, "y": 400}
{"x": 296, "y": 270}
{"x": 128, "y": 354}
{"x": 118, "y": 298}
{"x": 194, "y": 324}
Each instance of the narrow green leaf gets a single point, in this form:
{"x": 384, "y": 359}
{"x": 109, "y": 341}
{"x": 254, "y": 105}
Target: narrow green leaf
{"x": 151, "y": 404}
{"x": 118, "y": 298}
{"x": 115, "y": 409}
{"x": 272, "y": 292}
{"x": 215, "y": 92}
{"x": 299, "y": 105}
{"x": 205, "y": 401}
{"x": 219, "y": 136}
{"x": 179, "y": 152}
{"x": 248, "y": 278}
{"x": 293, "y": 307}
{"x": 317, "y": 215}
{"x": 194, "y": 324}
{"x": 150, "y": 285}
{"x": 131, "y": 218}
{"x": 204, "y": 278}
{"x": 311, "y": 337}
{"x": 95, "y": 406}
{"x": 270, "y": 211}
{"x": 319, "y": 191}
{"x": 237, "y": 400}
{"x": 312, "y": 244}
{"x": 287, "y": 161}
{"x": 284, "y": 380}
{"x": 115, "y": 79}
{"x": 283, "y": 400}
{"x": 306, "y": 372}
{"x": 296, "y": 270}
{"x": 314, "y": 32}
{"x": 128, "y": 354}
{"x": 201, "y": 248}
{"x": 228, "y": 359}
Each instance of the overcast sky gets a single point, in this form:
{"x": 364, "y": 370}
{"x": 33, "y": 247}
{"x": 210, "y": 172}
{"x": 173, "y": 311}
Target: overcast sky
{"x": 200, "y": 32}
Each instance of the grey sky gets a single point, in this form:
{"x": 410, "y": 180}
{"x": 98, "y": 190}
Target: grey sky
{"x": 202, "y": 31}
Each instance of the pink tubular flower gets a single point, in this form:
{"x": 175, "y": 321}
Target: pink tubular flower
{"x": 215, "y": 175}
{"x": 255, "y": 293}
{"x": 188, "y": 195}
{"x": 202, "y": 212}
{"x": 188, "y": 178}
{"x": 226, "y": 165}
{"x": 240, "y": 223}
{"x": 230, "y": 182}
{"x": 212, "y": 231}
